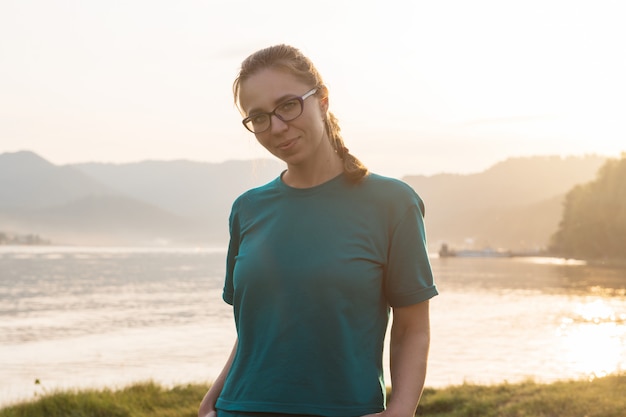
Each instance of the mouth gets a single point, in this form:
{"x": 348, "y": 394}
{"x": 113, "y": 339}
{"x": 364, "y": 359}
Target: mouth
{"x": 283, "y": 146}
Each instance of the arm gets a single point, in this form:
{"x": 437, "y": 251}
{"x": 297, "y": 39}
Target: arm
{"x": 408, "y": 350}
{"x": 207, "y": 406}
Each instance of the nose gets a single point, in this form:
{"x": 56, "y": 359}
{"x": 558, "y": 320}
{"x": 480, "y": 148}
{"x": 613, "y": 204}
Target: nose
{"x": 277, "y": 125}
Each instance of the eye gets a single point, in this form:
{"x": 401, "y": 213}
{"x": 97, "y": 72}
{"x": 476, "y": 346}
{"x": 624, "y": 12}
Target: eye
{"x": 288, "y": 106}
{"x": 258, "y": 119}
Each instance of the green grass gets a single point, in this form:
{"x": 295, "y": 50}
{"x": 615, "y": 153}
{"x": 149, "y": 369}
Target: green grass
{"x": 144, "y": 399}
{"x": 602, "y": 397}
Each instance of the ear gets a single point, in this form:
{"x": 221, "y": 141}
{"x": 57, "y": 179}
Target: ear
{"x": 323, "y": 93}
{"x": 324, "y": 104}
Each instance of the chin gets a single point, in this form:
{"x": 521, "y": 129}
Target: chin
{"x": 296, "y": 158}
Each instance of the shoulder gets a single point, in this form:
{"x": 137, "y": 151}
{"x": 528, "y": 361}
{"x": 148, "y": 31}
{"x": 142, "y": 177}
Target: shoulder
{"x": 257, "y": 193}
{"x": 392, "y": 190}
{"x": 248, "y": 203}
{"x": 387, "y": 183}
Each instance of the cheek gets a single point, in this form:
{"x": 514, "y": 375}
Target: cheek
{"x": 314, "y": 119}
{"x": 318, "y": 125}
{"x": 262, "y": 139}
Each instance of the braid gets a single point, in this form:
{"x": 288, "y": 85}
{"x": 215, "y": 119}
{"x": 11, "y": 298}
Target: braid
{"x": 353, "y": 168}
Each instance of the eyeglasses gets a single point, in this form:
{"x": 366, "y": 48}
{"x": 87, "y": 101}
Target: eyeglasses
{"x": 286, "y": 111}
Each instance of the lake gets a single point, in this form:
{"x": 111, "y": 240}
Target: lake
{"x": 78, "y": 317}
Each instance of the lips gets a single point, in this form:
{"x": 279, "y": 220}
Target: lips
{"x": 283, "y": 146}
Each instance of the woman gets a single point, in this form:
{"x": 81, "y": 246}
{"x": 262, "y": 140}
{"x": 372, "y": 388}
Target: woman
{"x": 316, "y": 260}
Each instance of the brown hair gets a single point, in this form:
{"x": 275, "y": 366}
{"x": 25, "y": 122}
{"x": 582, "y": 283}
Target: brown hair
{"x": 291, "y": 60}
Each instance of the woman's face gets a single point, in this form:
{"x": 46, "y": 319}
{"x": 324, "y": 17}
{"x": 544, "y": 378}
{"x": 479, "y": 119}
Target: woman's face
{"x": 297, "y": 141}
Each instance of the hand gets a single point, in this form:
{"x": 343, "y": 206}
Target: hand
{"x": 386, "y": 413}
{"x": 381, "y": 414}
{"x": 210, "y": 413}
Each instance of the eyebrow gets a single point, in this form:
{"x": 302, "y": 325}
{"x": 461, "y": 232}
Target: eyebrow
{"x": 278, "y": 101}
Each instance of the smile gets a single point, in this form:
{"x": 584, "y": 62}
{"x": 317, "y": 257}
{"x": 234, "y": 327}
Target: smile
{"x": 287, "y": 144}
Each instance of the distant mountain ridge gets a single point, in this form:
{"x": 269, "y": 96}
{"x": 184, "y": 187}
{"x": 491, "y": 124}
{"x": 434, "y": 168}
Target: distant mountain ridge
{"x": 29, "y": 181}
{"x": 181, "y": 202}
{"x": 514, "y": 204}
{"x": 186, "y": 188}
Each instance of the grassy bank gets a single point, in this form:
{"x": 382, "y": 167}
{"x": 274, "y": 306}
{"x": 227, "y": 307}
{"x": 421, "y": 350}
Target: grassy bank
{"x": 603, "y": 397}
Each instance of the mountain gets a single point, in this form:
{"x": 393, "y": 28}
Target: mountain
{"x": 182, "y": 202}
{"x": 187, "y": 188}
{"x": 516, "y": 204}
{"x": 29, "y": 181}
{"x": 202, "y": 193}
{"x": 103, "y": 220}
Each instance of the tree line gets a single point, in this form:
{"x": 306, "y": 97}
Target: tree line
{"x": 593, "y": 224}
{"x": 24, "y": 239}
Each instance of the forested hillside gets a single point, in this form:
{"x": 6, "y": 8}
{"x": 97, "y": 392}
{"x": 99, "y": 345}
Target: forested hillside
{"x": 593, "y": 225}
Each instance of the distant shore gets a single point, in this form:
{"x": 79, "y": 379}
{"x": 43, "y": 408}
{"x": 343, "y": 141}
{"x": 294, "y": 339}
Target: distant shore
{"x": 22, "y": 239}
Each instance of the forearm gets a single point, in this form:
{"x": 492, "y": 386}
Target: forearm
{"x": 207, "y": 406}
{"x": 409, "y": 344}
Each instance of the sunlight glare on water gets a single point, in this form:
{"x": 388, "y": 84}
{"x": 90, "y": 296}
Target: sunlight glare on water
{"x": 594, "y": 338}
{"x": 550, "y": 261}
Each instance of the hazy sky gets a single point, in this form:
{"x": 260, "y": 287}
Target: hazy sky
{"x": 419, "y": 86}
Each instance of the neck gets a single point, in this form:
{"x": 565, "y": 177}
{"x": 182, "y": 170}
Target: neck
{"x": 316, "y": 172}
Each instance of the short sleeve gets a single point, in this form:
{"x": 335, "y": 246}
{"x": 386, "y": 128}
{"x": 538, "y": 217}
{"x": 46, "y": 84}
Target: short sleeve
{"x": 409, "y": 278}
{"x": 231, "y": 255}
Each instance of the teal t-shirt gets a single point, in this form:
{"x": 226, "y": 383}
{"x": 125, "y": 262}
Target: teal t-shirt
{"x": 311, "y": 274}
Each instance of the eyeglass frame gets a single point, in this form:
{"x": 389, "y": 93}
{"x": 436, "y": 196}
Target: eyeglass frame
{"x": 279, "y": 117}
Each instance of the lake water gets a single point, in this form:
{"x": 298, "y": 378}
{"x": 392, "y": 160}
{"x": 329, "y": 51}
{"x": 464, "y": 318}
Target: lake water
{"x": 73, "y": 317}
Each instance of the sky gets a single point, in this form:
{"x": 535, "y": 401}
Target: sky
{"x": 419, "y": 87}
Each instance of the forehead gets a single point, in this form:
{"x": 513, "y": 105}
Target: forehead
{"x": 265, "y": 89}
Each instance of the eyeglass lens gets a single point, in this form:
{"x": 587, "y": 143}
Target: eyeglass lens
{"x": 286, "y": 111}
